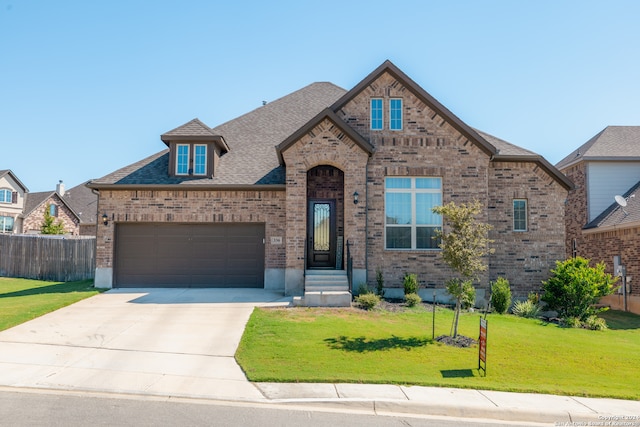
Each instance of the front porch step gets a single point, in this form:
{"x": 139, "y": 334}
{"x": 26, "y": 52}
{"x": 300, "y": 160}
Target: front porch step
{"x": 325, "y": 288}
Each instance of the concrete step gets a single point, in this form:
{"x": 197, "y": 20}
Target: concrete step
{"x": 325, "y": 299}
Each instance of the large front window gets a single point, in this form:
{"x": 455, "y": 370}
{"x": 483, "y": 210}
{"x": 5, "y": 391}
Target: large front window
{"x": 409, "y": 220}
{"x": 6, "y": 224}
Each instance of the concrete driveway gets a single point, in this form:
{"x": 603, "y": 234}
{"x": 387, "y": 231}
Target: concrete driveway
{"x": 166, "y": 342}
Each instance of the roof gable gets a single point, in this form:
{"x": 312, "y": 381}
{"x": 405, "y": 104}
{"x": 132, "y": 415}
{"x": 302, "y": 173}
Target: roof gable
{"x": 330, "y": 115}
{"x": 8, "y": 172}
{"x": 195, "y": 131}
{"x": 452, "y": 119}
{"x": 35, "y": 200}
{"x": 612, "y": 143}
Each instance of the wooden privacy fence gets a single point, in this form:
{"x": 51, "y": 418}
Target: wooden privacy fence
{"x": 55, "y": 258}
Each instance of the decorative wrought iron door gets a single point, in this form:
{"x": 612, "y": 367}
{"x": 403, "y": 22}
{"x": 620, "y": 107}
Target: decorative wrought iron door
{"x": 321, "y": 234}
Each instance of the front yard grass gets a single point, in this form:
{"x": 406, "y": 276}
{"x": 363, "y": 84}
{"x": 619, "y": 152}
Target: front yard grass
{"x": 23, "y": 299}
{"x": 523, "y": 355}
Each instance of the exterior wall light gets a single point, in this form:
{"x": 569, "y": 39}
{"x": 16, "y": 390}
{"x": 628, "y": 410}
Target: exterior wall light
{"x": 355, "y": 198}
{"x": 105, "y": 219}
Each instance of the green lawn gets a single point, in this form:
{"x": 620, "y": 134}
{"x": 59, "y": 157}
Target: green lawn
{"x": 23, "y": 299}
{"x": 524, "y": 355}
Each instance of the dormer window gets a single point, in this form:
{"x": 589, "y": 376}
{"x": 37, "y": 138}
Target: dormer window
{"x": 194, "y": 150}
{"x": 191, "y": 159}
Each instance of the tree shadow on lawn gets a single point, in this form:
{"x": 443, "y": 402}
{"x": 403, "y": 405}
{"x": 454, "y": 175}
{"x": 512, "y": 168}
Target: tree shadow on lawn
{"x": 55, "y": 288}
{"x": 457, "y": 373}
{"x": 362, "y": 344}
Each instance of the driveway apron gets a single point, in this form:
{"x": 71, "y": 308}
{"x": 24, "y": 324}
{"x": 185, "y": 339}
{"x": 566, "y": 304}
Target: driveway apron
{"x": 165, "y": 342}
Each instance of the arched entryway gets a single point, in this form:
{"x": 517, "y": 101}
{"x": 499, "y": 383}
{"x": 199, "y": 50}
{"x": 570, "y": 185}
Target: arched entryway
{"x": 325, "y": 218}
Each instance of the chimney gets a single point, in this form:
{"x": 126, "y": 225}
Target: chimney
{"x": 60, "y": 188}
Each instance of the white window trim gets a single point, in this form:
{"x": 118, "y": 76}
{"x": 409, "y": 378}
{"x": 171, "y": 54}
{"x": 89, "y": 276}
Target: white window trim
{"x": 401, "y": 114}
{"x": 7, "y": 191}
{"x": 526, "y": 215}
{"x": 178, "y": 158}
{"x": 371, "y": 114}
{"x": 206, "y": 154}
{"x": 413, "y": 191}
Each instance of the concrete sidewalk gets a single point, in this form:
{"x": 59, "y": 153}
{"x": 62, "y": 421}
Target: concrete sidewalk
{"x": 180, "y": 343}
{"x": 459, "y": 403}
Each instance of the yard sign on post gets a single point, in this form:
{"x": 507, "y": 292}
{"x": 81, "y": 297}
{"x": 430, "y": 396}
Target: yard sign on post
{"x": 482, "y": 344}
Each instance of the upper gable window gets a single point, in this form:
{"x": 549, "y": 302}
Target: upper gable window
{"x": 6, "y": 196}
{"x": 376, "y": 113}
{"x": 395, "y": 114}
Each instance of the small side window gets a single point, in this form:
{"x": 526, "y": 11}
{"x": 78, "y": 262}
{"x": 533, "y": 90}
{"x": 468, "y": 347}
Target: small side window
{"x": 200, "y": 157}
{"x": 519, "y": 215}
{"x": 53, "y": 210}
{"x": 182, "y": 159}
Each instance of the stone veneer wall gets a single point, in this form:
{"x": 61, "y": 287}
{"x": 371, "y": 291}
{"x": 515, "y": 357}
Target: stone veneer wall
{"x": 193, "y": 206}
{"x": 33, "y": 223}
{"x": 525, "y": 258}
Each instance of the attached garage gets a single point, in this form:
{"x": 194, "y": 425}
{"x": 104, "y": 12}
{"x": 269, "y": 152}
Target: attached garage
{"x": 189, "y": 255}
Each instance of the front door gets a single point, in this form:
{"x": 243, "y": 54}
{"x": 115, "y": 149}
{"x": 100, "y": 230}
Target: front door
{"x": 321, "y": 232}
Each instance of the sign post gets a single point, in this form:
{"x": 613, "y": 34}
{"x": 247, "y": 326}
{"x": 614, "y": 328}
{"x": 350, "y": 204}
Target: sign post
{"x": 482, "y": 345}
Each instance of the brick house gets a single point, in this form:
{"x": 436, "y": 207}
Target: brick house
{"x": 598, "y": 227}
{"x": 12, "y": 199}
{"x": 324, "y": 180}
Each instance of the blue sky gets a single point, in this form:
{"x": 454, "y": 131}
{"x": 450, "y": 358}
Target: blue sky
{"x": 87, "y": 87}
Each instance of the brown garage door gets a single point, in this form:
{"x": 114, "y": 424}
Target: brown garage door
{"x": 190, "y": 255}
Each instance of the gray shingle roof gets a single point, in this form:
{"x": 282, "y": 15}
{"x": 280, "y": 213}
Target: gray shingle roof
{"x": 616, "y": 214}
{"x": 193, "y": 128}
{"x": 504, "y": 147}
{"x": 83, "y": 202}
{"x": 251, "y": 138}
{"x": 612, "y": 143}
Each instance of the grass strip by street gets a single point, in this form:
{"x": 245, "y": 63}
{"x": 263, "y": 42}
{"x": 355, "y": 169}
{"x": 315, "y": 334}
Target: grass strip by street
{"x": 523, "y": 355}
{"x": 23, "y": 299}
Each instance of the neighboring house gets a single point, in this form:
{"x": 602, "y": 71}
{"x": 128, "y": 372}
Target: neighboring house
{"x": 84, "y": 202}
{"x": 597, "y": 227}
{"x": 298, "y": 187}
{"x": 12, "y": 201}
{"x": 36, "y": 205}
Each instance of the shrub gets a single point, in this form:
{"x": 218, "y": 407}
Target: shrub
{"x": 595, "y": 323}
{"x": 501, "y": 295}
{"x": 410, "y": 283}
{"x": 412, "y": 300}
{"x": 575, "y": 287}
{"x": 363, "y": 289}
{"x": 526, "y": 308}
{"x": 570, "y": 322}
{"x": 367, "y": 301}
{"x": 379, "y": 283}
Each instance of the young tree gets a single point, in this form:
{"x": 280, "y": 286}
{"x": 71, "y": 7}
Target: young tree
{"x": 49, "y": 226}
{"x": 465, "y": 244}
